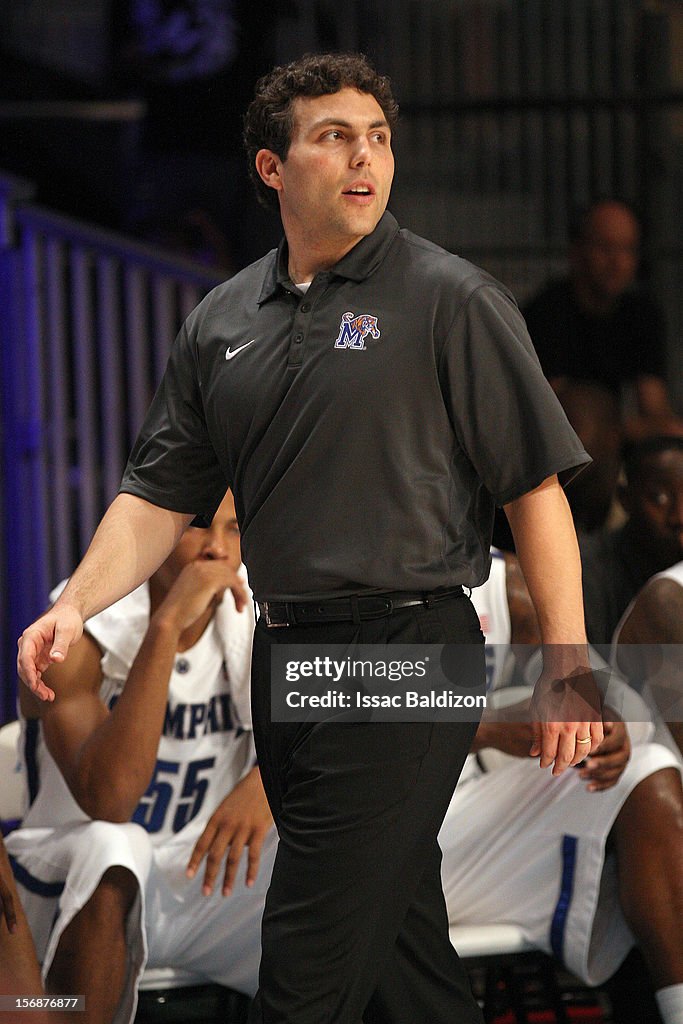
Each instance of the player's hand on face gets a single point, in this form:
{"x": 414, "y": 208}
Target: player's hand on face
{"x": 604, "y": 768}
{"x": 242, "y": 819}
{"x": 563, "y": 712}
{"x": 200, "y": 585}
{"x": 47, "y": 641}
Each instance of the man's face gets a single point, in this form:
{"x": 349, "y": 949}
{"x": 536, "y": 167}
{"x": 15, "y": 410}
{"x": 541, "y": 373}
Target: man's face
{"x": 220, "y": 540}
{"x": 607, "y": 257}
{"x": 334, "y": 185}
{"x": 655, "y": 503}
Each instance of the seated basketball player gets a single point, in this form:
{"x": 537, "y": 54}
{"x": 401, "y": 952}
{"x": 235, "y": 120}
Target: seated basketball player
{"x": 149, "y": 735}
{"x": 585, "y": 864}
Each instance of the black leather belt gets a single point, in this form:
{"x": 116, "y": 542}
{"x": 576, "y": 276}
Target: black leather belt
{"x": 349, "y": 609}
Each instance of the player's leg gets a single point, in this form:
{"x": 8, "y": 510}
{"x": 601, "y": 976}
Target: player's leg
{"x": 91, "y": 958}
{"x": 19, "y": 970}
{"x": 648, "y": 834}
{"x": 83, "y": 890}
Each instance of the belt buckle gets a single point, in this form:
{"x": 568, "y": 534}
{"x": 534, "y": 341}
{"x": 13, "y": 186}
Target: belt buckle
{"x": 271, "y": 623}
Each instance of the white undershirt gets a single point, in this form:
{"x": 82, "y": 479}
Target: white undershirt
{"x": 303, "y": 287}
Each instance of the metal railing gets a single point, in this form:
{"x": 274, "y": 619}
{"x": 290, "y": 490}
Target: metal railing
{"x": 88, "y": 319}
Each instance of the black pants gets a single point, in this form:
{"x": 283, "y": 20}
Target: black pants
{"x": 355, "y": 925}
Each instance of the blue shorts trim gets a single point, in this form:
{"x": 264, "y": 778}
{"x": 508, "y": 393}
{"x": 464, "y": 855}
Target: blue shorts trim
{"x": 559, "y": 922}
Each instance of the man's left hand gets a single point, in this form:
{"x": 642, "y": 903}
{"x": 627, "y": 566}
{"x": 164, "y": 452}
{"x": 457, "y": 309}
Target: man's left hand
{"x": 566, "y": 713}
{"x": 242, "y": 819}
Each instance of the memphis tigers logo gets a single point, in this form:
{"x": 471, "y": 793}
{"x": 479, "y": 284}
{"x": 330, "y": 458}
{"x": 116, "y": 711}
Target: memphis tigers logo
{"x": 353, "y": 330}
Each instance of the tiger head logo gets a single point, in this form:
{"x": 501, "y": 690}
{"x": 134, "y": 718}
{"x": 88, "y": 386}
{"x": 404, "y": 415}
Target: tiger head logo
{"x": 353, "y": 330}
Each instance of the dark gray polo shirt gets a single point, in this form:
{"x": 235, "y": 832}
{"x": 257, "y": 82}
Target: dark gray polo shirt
{"x": 366, "y": 428}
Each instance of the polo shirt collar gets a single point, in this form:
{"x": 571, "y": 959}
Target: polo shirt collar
{"x": 358, "y": 264}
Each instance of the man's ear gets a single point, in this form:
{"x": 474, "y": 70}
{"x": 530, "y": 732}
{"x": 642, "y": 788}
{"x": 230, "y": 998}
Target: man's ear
{"x": 268, "y": 168}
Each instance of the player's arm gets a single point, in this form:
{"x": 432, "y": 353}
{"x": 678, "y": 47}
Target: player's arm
{"x": 130, "y": 543}
{"x": 107, "y": 757}
{"x": 548, "y": 554}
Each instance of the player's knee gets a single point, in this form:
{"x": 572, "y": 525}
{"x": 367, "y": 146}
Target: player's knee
{"x": 114, "y": 896}
{"x": 650, "y": 834}
{"x": 660, "y": 806}
{"x": 126, "y": 844}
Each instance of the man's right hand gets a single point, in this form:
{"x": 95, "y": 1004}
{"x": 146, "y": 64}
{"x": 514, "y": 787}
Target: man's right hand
{"x": 45, "y": 642}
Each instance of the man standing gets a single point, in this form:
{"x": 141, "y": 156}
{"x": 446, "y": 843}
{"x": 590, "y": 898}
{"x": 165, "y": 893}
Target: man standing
{"x": 368, "y": 397}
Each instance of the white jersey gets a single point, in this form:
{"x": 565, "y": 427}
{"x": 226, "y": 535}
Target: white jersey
{"x": 491, "y": 604}
{"x": 663, "y": 699}
{"x": 674, "y": 572}
{"x": 203, "y": 750}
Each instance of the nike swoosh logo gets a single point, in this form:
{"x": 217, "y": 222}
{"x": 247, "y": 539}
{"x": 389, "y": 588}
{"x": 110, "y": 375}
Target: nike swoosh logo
{"x": 235, "y": 352}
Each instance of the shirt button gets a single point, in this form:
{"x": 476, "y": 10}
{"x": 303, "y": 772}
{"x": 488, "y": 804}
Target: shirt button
{"x": 305, "y": 308}
{"x": 298, "y": 338}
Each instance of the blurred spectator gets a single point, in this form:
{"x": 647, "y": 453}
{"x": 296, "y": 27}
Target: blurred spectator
{"x": 593, "y": 412}
{"x": 616, "y": 564}
{"x": 595, "y": 325}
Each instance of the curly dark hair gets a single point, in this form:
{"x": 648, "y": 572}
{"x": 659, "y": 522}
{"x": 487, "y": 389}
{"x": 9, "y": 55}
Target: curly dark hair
{"x": 268, "y": 120}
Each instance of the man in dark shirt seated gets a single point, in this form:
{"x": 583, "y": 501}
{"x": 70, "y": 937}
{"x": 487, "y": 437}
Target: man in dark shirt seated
{"x": 617, "y": 564}
{"x": 595, "y": 325}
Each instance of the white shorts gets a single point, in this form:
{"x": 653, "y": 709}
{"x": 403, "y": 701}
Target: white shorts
{"x": 522, "y": 847}
{"x": 171, "y": 923}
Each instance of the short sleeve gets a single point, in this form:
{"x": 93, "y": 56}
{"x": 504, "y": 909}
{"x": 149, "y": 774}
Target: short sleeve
{"x": 173, "y": 463}
{"x": 505, "y": 415}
